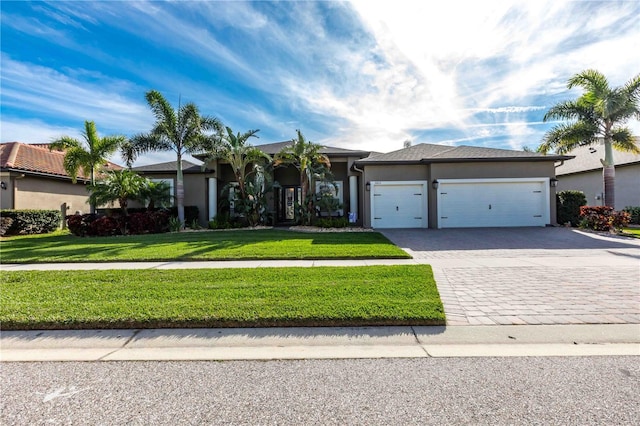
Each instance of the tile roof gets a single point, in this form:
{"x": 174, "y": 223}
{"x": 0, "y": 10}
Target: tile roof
{"x": 588, "y": 159}
{"x": 169, "y": 167}
{"x": 433, "y": 153}
{"x": 274, "y": 148}
{"x": 36, "y": 158}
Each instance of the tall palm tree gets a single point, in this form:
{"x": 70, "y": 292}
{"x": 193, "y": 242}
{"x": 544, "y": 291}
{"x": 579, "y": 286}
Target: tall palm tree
{"x": 599, "y": 114}
{"x": 118, "y": 185}
{"x": 182, "y": 131}
{"x": 307, "y": 158}
{"x": 90, "y": 155}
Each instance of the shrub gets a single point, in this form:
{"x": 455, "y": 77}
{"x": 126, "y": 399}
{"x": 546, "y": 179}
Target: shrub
{"x": 332, "y": 222}
{"x": 568, "y": 205}
{"x": 137, "y": 223}
{"x": 602, "y": 218}
{"x": 634, "y": 212}
{"x": 190, "y": 213}
{"x": 5, "y": 224}
{"x": 27, "y": 222}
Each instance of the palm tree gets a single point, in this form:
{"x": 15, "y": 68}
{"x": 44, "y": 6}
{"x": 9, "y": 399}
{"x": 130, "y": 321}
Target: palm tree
{"x": 118, "y": 185}
{"x": 234, "y": 149}
{"x": 307, "y": 158}
{"x": 182, "y": 131}
{"x": 599, "y": 114}
{"x": 89, "y": 156}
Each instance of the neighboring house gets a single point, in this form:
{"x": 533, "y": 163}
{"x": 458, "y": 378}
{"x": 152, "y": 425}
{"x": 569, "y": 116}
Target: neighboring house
{"x": 196, "y": 183}
{"x": 34, "y": 178}
{"x": 439, "y": 186}
{"x": 584, "y": 173}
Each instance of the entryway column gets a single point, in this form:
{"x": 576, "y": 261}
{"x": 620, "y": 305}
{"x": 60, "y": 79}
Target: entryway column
{"x": 213, "y": 198}
{"x": 353, "y": 196}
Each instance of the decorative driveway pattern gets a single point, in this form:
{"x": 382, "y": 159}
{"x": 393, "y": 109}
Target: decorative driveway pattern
{"x": 530, "y": 275}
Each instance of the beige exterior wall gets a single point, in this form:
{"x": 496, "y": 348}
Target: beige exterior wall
{"x": 591, "y": 183}
{"x": 6, "y": 195}
{"x": 431, "y": 172}
{"x": 42, "y": 193}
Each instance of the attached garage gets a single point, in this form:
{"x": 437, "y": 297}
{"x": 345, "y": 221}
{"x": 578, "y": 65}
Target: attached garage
{"x": 466, "y": 203}
{"x": 399, "y": 204}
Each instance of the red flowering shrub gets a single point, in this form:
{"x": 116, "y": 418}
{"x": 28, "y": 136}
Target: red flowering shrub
{"x": 78, "y": 224}
{"x": 136, "y": 223}
{"x": 106, "y": 226}
{"x": 602, "y": 218}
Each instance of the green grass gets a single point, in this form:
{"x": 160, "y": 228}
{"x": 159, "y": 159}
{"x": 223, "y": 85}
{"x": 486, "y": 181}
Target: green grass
{"x": 319, "y": 296}
{"x": 218, "y": 245}
{"x": 635, "y": 232}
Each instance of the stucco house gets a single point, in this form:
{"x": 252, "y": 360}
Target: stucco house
{"x": 33, "y": 177}
{"x": 425, "y": 185}
{"x": 584, "y": 173}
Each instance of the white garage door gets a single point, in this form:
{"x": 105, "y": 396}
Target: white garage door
{"x": 493, "y": 202}
{"x": 399, "y": 204}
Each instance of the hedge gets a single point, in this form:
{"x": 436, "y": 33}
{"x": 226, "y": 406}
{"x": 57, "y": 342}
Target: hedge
{"x": 634, "y": 212}
{"x": 93, "y": 225}
{"x": 26, "y": 222}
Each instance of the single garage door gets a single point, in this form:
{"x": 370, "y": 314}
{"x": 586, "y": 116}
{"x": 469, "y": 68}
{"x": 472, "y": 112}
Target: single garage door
{"x": 399, "y": 204}
{"x": 493, "y": 203}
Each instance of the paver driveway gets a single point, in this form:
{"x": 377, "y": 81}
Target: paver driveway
{"x": 529, "y": 275}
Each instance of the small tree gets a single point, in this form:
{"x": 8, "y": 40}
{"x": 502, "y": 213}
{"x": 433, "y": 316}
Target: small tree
{"x": 311, "y": 163}
{"x": 89, "y": 156}
{"x": 118, "y": 185}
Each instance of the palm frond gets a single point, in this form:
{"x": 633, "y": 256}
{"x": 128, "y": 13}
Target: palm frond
{"x": 591, "y": 81}
{"x": 565, "y": 137}
{"x": 623, "y": 140}
{"x": 64, "y": 143}
{"x": 76, "y": 158}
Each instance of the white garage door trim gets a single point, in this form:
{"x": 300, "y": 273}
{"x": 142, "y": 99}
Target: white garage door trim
{"x": 540, "y": 218}
{"x": 404, "y": 201}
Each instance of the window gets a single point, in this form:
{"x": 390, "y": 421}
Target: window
{"x": 171, "y": 188}
{"x": 333, "y": 189}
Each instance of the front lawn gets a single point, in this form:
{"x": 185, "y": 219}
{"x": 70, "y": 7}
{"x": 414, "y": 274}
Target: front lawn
{"x": 206, "y": 245}
{"x": 263, "y": 297}
{"x": 634, "y": 232}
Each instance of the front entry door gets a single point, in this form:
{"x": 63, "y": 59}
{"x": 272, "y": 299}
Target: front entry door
{"x": 290, "y": 196}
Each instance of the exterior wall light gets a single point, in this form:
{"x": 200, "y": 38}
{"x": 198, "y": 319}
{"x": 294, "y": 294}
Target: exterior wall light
{"x": 553, "y": 182}
{"x": 435, "y": 184}
{"x": 3, "y": 185}
{"x": 368, "y": 186}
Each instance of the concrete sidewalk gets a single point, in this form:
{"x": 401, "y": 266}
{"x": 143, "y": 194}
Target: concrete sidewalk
{"x": 320, "y": 343}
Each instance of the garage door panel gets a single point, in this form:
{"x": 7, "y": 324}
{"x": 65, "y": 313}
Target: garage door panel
{"x": 484, "y": 204}
{"x": 399, "y": 205}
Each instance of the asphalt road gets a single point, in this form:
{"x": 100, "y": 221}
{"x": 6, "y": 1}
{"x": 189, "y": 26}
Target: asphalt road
{"x": 550, "y": 390}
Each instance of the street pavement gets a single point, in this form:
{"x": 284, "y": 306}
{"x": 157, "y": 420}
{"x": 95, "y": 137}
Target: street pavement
{"x": 418, "y": 391}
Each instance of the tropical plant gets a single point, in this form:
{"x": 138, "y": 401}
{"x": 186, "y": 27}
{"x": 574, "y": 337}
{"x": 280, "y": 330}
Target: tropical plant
{"x": 248, "y": 164}
{"x": 156, "y": 194}
{"x": 90, "y": 155}
{"x": 312, "y": 165}
{"x": 118, "y": 185}
{"x": 182, "y": 131}
{"x": 599, "y": 114}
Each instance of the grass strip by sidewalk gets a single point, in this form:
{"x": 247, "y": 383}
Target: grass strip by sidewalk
{"x": 262, "y": 297}
{"x": 206, "y": 245}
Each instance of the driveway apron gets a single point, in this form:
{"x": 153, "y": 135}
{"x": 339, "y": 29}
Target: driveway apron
{"x": 529, "y": 275}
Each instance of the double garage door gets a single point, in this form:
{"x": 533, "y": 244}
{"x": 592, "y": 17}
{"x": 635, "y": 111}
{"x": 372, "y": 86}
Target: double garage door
{"x": 462, "y": 203}
{"x": 493, "y": 203}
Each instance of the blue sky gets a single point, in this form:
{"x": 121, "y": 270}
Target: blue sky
{"x": 364, "y": 75}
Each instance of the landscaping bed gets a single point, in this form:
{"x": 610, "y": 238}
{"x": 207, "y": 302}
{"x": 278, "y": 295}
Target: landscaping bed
{"x": 262, "y": 297}
{"x": 261, "y": 244}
